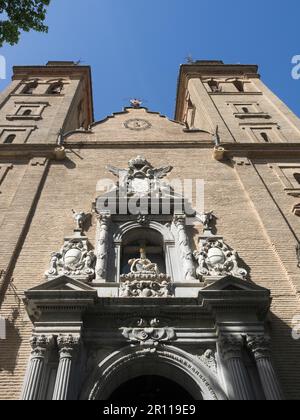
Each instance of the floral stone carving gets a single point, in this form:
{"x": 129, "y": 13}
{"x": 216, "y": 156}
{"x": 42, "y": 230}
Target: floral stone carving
{"x": 74, "y": 260}
{"x": 149, "y": 333}
{"x": 217, "y": 259}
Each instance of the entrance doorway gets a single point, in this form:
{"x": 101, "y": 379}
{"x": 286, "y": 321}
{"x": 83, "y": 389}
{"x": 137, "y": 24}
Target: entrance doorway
{"x": 155, "y": 389}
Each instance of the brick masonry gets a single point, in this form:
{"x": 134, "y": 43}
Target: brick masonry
{"x": 252, "y": 206}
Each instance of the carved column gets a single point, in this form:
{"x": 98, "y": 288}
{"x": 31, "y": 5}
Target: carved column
{"x": 33, "y": 380}
{"x": 104, "y": 221}
{"x": 68, "y": 346}
{"x": 231, "y": 349}
{"x": 185, "y": 250}
{"x": 260, "y": 347}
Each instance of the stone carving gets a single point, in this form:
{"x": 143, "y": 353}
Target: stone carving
{"x": 104, "y": 221}
{"x": 143, "y": 265}
{"x": 259, "y": 345}
{"x": 216, "y": 259}
{"x": 207, "y": 219}
{"x": 74, "y": 260}
{"x": 231, "y": 346}
{"x": 143, "y": 220}
{"x": 149, "y": 333}
{"x": 136, "y": 103}
{"x": 185, "y": 249}
{"x": 80, "y": 219}
{"x": 67, "y": 345}
{"x": 40, "y": 344}
{"x": 147, "y": 289}
{"x": 141, "y": 178}
{"x": 145, "y": 280}
{"x": 209, "y": 359}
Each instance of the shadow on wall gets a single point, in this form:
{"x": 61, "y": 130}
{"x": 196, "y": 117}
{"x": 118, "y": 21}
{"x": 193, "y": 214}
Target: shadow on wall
{"x": 285, "y": 352}
{"x": 9, "y": 348}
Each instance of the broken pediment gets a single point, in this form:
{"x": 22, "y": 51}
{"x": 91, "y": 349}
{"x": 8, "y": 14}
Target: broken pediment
{"x": 137, "y": 125}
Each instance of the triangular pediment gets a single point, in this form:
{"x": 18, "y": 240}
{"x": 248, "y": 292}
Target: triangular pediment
{"x": 234, "y": 284}
{"x": 63, "y": 283}
{"x": 139, "y": 125}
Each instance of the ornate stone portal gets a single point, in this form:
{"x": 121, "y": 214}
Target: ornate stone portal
{"x": 81, "y": 316}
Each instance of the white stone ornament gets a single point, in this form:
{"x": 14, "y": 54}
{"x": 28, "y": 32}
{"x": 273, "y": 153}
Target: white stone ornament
{"x": 74, "y": 260}
{"x": 215, "y": 258}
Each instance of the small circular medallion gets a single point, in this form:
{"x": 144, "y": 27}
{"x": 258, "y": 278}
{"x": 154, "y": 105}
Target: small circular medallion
{"x": 137, "y": 124}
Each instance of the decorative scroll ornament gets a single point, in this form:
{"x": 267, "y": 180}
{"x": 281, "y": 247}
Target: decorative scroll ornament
{"x": 148, "y": 333}
{"x": 217, "y": 259}
{"x": 74, "y": 260}
{"x": 141, "y": 178}
{"x": 209, "y": 359}
{"x": 145, "y": 280}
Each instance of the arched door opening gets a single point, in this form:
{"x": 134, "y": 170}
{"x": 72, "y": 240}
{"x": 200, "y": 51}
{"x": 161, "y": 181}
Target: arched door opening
{"x": 155, "y": 389}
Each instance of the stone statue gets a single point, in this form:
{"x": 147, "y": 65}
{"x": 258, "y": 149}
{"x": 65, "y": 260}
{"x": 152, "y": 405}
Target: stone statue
{"x": 143, "y": 264}
{"x": 207, "y": 218}
{"x": 80, "y": 219}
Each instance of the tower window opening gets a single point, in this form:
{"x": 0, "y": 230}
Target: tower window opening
{"x": 10, "y": 139}
{"x": 55, "y": 89}
{"x": 214, "y": 86}
{"x": 265, "y": 137}
{"x": 27, "y": 113}
{"x": 239, "y": 85}
{"x": 297, "y": 177}
{"x": 29, "y": 88}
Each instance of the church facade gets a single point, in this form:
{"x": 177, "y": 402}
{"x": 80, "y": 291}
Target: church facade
{"x": 117, "y": 279}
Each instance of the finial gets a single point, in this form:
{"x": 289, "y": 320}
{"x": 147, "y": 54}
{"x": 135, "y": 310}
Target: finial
{"x": 136, "y": 103}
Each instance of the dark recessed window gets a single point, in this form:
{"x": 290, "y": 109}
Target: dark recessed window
{"x": 245, "y": 110}
{"x": 55, "y": 89}
{"x": 29, "y": 88}
{"x": 214, "y": 86}
{"x": 10, "y": 139}
{"x": 265, "y": 137}
{"x": 27, "y": 112}
{"x": 297, "y": 177}
{"x": 239, "y": 85}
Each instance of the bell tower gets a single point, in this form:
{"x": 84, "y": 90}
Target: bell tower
{"x": 233, "y": 98}
{"x": 43, "y": 101}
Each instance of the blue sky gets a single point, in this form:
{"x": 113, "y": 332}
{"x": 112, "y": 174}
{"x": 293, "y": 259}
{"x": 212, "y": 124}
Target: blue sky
{"x": 135, "y": 47}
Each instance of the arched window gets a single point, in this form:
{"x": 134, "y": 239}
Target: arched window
{"x": 239, "y": 85}
{"x": 214, "y": 86}
{"x": 55, "y": 89}
{"x": 143, "y": 243}
{"x": 27, "y": 113}
{"x": 265, "y": 137}
{"x": 10, "y": 139}
{"x": 297, "y": 177}
{"x": 29, "y": 88}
